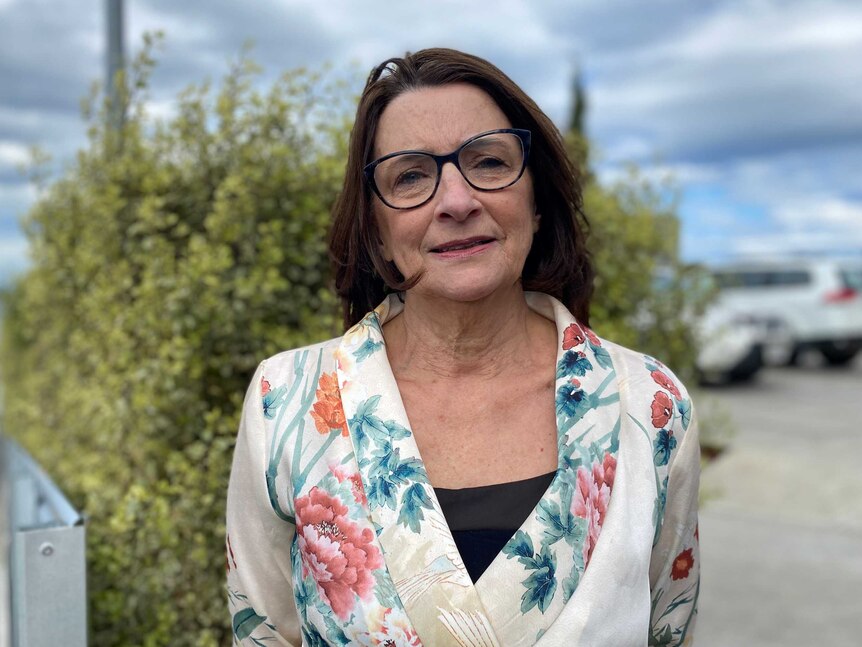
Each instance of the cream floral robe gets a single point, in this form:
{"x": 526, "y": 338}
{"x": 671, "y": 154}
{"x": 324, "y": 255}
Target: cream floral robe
{"x": 335, "y": 536}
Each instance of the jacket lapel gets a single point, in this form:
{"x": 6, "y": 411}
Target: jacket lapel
{"x": 421, "y": 556}
{"x": 535, "y": 576}
{"x": 537, "y": 573}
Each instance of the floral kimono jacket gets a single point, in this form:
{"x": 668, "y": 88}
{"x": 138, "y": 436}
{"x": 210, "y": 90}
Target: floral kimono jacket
{"x": 336, "y": 537}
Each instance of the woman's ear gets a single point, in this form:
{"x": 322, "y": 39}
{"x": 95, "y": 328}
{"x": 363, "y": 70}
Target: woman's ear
{"x": 537, "y": 217}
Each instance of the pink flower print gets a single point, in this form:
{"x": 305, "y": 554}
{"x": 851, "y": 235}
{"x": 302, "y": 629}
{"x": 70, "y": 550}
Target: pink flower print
{"x": 591, "y": 497}
{"x": 573, "y": 336}
{"x": 338, "y": 555}
{"x": 264, "y": 387}
{"x": 662, "y": 407}
{"x": 666, "y": 383}
{"x": 343, "y": 474}
{"x": 392, "y": 628}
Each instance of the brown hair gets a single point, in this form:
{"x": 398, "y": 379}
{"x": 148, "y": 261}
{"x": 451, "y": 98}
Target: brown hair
{"x": 558, "y": 263}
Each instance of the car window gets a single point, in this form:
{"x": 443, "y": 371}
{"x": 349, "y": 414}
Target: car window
{"x": 761, "y": 278}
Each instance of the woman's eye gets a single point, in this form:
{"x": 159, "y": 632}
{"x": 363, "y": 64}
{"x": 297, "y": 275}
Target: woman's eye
{"x": 488, "y": 163}
{"x": 409, "y": 177}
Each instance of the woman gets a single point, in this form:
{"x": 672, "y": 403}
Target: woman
{"x": 469, "y": 464}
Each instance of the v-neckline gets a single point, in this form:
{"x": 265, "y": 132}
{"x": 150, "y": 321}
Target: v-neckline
{"x": 420, "y": 550}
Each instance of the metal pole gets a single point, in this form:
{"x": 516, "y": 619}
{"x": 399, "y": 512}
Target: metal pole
{"x": 115, "y": 59}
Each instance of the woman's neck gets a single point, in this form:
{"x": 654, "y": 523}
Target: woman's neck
{"x": 431, "y": 340}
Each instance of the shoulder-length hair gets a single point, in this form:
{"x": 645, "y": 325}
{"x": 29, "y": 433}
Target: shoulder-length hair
{"x": 558, "y": 262}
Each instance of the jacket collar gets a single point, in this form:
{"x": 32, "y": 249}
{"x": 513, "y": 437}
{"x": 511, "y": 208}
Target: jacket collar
{"x": 420, "y": 552}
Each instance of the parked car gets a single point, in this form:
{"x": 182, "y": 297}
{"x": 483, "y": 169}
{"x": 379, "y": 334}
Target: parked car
{"x": 734, "y": 345}
{"x": 817, "y": 302}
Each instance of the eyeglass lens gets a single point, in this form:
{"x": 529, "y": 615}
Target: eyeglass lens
{"x": 490, "y": 162}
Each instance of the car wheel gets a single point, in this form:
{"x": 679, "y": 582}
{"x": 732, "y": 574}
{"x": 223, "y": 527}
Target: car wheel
{"x": 836, "y": 356}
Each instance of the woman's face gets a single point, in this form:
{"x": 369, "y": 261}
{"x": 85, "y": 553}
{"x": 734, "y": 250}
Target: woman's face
{"x": 498, "y": 225}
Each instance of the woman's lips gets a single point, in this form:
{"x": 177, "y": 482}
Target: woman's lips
{"x": 461, "y": 248}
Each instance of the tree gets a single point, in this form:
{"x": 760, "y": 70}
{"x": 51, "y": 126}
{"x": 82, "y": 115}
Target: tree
{"x": 168, "y": 260}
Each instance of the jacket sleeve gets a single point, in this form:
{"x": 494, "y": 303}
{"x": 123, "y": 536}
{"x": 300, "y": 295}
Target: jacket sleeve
{"x": 259, "y": 580}
{"x": 675, "y": 561}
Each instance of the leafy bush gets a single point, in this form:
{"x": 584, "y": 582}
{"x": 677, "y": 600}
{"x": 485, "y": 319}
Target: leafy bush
{"x": 168, "y": 260}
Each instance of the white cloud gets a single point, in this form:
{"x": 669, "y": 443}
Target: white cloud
{"x": 12, "y": 154}
{"x": 817, "y": 212}
{"x": 798, "y": 242}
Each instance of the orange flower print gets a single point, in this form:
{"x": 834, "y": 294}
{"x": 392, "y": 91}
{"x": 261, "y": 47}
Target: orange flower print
{"x": 328, "y": 412}
{"x": 682, "y": 565}
{"x": 264, "y": 387}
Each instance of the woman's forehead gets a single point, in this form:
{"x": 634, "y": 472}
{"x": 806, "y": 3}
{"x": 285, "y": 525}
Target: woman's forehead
{"x": 436, "y": 119}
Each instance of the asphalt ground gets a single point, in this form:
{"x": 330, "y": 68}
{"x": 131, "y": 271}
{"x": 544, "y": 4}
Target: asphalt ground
{"x": 781, "y": 513}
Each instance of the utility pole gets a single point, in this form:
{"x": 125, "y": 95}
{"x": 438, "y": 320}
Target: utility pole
{"x": 115, "y": 61}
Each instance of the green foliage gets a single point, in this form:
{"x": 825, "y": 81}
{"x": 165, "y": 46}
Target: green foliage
{"x": 645, "y": 297}
{"x": 168, "y": 259}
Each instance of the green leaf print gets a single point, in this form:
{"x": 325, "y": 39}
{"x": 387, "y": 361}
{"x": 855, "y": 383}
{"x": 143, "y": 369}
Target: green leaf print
{"x": 415, "y": 498}
{"x": 245, "y": 621}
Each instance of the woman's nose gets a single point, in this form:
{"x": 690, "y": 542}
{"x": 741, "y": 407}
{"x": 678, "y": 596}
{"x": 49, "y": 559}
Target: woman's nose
{"x": 455, "y": 197}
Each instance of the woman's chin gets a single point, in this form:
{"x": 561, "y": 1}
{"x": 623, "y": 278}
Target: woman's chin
{"x": 463, "y": 289}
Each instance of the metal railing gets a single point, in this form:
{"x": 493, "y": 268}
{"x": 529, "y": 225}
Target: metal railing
{"x": 47, "y": 564}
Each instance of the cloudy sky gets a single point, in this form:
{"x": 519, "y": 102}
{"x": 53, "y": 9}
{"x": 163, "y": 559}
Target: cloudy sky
{"x": 753, "y": 106}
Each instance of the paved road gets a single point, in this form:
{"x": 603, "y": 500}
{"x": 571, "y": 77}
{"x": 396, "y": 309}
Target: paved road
{"x": 781, "y": 528}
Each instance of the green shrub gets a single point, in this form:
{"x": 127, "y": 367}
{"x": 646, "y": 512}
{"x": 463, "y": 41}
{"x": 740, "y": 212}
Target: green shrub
{"x": 168, "y": 260}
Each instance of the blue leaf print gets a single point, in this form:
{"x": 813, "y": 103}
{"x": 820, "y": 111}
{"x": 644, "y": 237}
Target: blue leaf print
{"x": 365, "y": 424}
{"x": 603, "y": 357}
{"x": 395, "y": 431}
{"x": 409, "y": 470}
{"x": 415, "y": 498}
{"x": 570, "y": 398}
{"x": 557, "y": 522}
{"x": 520, "y": 546}
{"x": 272, "y": 400}
{"x": 334, "y": 634}
{"x": 387, "y": 472}
{"x": 663, "y": 445}
{"x": 311, "y": 636}
{"x": 571, "y": 583}
{"x": 541, "y": 584}
{"x": 367, "y": 407}
{"x": 245, "y": 621}
{"x": 574, "y": 362}
{"x": 367, "y": 349}
{"x": 382, "y": 493}
{"x": 684, "y": 408}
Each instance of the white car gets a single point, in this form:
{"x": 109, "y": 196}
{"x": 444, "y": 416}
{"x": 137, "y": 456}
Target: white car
{"x": 735, "y": 345}
{"x": 816, "y": 302}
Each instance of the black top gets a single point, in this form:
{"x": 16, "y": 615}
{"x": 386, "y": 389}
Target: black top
{"x": 482, "y": 519}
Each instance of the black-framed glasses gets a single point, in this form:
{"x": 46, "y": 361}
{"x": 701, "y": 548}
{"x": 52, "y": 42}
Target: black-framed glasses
{"x": 489, "y": 161}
